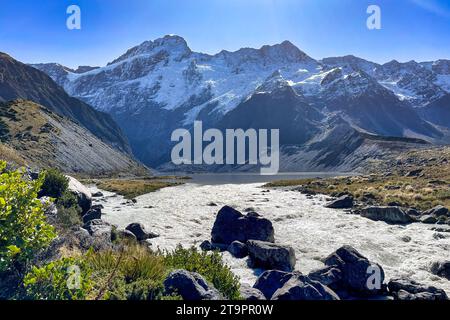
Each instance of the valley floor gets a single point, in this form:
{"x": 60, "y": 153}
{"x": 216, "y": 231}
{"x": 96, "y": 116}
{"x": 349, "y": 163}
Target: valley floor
{"x": 185, "y": 214}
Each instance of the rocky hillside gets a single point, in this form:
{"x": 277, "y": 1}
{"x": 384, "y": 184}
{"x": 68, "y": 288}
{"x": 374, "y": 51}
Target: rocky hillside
{"x": 32, "y": 135}
{"x": 20, "y": 81}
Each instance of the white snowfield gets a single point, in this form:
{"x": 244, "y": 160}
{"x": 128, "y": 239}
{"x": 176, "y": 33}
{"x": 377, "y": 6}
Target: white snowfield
{"x": 165, "y": 73}
{"x": 181, "y": 215}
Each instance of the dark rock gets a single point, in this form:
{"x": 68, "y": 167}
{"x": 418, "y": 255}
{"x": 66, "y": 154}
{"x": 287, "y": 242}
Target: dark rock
{"x": 303, "y": 288}
{"x": 441, "y": 269}
{"x": 272, "y": 280}
{"x": 238, "y": 249}
{"x": 403, "y": 289}
{"x": 97, "y": 207}
{"x": 268, "y": 255}
{"x": 190, "y": 286}
{"x": 97, "y": 226}
{"x": 428, "y": 219}
{"x": 138, "y": 230}
{"x": 393, "y": 215}
{"x": 414, "y": 173}
{"x": 250, "y": 294}
{"x": 92, "y": 214}
{"x": 231, "y": 225}
{"x": 357, "y": 271}
{"x": 344, "y": 202}
{"x": 437, "y": 211}
{"x": 413, "y": 212}
{"x": 97, "y": 194}
{"x": 206, "y": 246}
{"x": 212, "y": 204}
{"x": 328, "y": 276}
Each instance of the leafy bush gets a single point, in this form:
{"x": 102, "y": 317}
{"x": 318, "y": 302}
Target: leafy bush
{"x": 23, "y": 227}
{"x": 209, "y": 265}
{"x": 55, "y": 184}
{"x": 64, "y": 279}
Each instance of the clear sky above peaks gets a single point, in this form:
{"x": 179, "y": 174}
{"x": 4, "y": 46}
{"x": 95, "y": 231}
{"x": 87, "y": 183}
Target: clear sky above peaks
{"x": 35, "y": 31}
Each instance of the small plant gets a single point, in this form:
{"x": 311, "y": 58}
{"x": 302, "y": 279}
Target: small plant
{"x": 23, "y": 227}
{"x": 64, "y": 279}
{"x": 55, "y": 184}
{"x": 209, "y": 265}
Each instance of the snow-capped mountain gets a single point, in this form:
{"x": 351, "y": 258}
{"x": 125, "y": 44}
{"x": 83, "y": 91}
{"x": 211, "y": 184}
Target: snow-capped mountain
{"x": 162, "y": 85}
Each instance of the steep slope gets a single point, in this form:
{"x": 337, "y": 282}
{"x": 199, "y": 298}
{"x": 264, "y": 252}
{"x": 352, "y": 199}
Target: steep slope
{"x": 438, "y": 111}
{"x": 20, "y": 81}
{"x": 35, "y": 136}
{"x": 373, "y": 108}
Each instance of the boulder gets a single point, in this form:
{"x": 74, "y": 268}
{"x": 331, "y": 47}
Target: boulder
{"x": 99, "y": 229}
{"x": 303, "y": 288}
{"x": 138, "y": 230}
{"x": 190, "y": 286}
{"x": 84, "y": 196}
{"x": 428, "y": 219}
{"x": 404, "y": 289}
{"x": 97, "y": 194}
{"x": 206, "y": 245}
{"x": 126, "y": 234}
{"x": 238, "y": 249}
{"x": 329, "y": 276}
{"x": 250, "y": 294}
{"x": 92, "y": 214}
{"x": 48, "y": 206}
{"x": 268, "y": 255}
{"x": 437, "y": 211}
{"x": 271, "y": 280}
{"x": 231, "y": 225}
{"x": 343, "y": 202}
{"x": 393, "y": 215}
{"x": 441, "y": 269}
{"x": 358, "y": 274}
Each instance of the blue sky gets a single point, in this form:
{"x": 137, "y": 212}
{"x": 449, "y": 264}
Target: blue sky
{"x": 35, "y": 31}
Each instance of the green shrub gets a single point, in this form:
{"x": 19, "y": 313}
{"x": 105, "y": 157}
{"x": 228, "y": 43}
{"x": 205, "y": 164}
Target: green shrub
{"x": 55, "y": 184}
{"x": 23, "y": 227}
{"x": 209, "y": 265}
{"x": 64, "y": 279}
{"x": 69, "y": 212}
{"x": 132, "y": 274}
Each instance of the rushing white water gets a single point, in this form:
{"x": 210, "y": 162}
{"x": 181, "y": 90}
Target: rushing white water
{"x": 181, "y": 215}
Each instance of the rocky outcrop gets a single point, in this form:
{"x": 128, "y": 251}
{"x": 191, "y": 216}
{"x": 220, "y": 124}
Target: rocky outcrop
{"x": 238, "y": 249}
{"x": 344, "y": 202}
{"x": 93, "y": 213}
{"x": 358, "y": 275}
{"x": 271, "y": 280}
{"x": 268, "y": 255}
{"x": 84, "y": 196}
{"x": 393, "y": 215}
{"x": 403, "y": 289}
{"x": 231, "y": 225}
{"x": 303, "y": 288}
{"x": 437, "y": 211}
{"x": 190, "y": 286}
{"x": 139, "y": 231}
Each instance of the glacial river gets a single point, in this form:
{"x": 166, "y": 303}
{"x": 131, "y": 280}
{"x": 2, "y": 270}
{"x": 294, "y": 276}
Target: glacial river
{"x": 182, "y": 215}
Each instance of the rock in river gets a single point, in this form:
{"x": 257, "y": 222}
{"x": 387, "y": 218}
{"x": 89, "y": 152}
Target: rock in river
{"x": 394, "y": 215}
{"x": 268, "y": 255}
{"x": 231, "y": 225}
{"x": 344, "y": 202}
{"x": 139, "y": 231}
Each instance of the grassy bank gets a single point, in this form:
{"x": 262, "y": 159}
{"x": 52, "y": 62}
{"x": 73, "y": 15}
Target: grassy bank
{"x": 134, "y": 187}
{"x": 419, "y": 179}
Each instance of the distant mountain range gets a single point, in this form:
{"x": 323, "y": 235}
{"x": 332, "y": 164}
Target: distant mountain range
{"x": 162, "y": 85}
